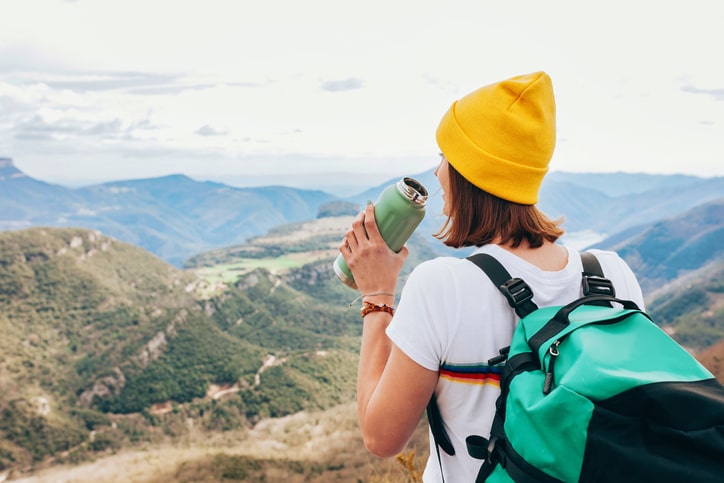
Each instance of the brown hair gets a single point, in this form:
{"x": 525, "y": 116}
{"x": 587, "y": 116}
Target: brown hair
{"x": 477, "y": 218}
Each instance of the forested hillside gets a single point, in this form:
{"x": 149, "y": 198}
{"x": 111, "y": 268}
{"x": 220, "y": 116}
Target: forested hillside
{"x": 101, "y": 337}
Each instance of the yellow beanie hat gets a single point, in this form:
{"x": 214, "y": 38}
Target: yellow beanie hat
{"x": 501, "y": 137}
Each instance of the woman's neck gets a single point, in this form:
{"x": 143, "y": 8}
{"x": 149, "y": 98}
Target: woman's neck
{"x": 549, "y": 256}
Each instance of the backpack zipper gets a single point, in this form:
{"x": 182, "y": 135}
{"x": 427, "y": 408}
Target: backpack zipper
{"x": 553, "y": 351}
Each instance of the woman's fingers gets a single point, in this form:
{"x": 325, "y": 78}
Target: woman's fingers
{"x": 358, "y": 231}
{"x": 365, "y": 228}
{"x": 370, "y": 223}
{"x": 344, "y": 247}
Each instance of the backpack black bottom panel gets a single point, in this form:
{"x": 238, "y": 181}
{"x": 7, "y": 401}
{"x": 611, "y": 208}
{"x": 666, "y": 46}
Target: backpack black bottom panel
{"x": 659, "y": 432}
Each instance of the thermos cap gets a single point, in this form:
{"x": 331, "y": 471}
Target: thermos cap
{"x": 413, "y": 190}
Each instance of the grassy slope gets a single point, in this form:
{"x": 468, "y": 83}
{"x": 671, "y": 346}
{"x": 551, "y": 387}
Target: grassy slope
{"x": 84, "y": 315}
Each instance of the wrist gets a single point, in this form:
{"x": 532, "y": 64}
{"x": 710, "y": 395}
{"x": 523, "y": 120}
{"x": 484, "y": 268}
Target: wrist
{"x": 379, "y": 297}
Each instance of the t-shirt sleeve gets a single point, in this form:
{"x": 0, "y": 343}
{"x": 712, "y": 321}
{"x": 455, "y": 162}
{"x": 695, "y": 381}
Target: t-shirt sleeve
{"x": 417, "y": 327}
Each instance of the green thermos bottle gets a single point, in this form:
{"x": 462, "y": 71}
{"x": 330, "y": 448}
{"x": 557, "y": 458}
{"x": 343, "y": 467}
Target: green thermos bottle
{"x": 398, "y": 211}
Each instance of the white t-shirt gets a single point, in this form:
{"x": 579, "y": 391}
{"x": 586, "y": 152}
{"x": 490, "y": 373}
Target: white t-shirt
{"x": 452, "y": 319}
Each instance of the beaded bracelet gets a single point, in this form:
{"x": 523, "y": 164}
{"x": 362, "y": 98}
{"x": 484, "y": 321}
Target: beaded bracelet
{"x": 369, "y": 307}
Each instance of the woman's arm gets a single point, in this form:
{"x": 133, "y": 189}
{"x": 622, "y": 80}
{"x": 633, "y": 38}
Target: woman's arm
{"x": 392, "y": 389}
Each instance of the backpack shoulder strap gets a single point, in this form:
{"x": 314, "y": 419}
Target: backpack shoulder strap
{"x": 594, "y": 282}
{"x": 516, "y": 291}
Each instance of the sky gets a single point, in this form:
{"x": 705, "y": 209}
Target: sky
{"x": 326, "y": 93}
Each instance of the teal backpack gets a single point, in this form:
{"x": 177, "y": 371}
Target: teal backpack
{"x": 595, "y": 391}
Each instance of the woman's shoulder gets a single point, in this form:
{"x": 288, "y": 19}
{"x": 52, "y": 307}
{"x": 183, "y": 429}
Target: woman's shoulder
{"x": 444, "y": 273}
{"x": 440, "y": 266}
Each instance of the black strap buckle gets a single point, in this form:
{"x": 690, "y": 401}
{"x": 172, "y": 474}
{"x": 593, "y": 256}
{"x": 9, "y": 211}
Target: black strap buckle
{"x": 477, "y": 446}
{"x": 501, "y": 357}
{"x": 516, "y": 291}
{"x": 595, "y": 285}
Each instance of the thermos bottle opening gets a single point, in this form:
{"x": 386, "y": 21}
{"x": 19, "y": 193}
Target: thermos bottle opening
{"x": 414, "y": 190}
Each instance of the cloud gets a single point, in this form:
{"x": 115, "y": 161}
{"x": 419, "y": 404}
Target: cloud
{"x": 169, "y": 89}
{"x": 207, "y": 130}
{"x": 349, "y": 84}
{"x": 249, "y": 84}
{"x": 25, "y": 66}
{"x": 21, "y": 58}
{"x": 29, "y": 64}
{"x": 35, "y": 128}
{"x": 10, "y": 105}
{"x": 38, "y": 129}
{"x": 717, "y": 94}
{"x": 144, "y": 124}
{"x": 105, "y": 81}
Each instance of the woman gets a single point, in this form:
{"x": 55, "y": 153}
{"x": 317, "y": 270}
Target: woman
{"x": 496, "y": 145}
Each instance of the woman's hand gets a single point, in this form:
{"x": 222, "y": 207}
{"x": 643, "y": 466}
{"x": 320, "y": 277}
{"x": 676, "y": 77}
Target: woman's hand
{"x": 374, "y": 266}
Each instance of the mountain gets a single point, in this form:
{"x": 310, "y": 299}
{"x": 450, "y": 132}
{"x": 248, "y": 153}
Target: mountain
{"x": 667, "y": 249}
{"x": 22, "y": 198}
{"x": 691, "y": 310}
{"x": 173, "y": 217}
{"x": 105, "y": 345}
{"x": 599, "y": 205}
{"x": 713, "y": 359}
{"x": 622, "y": 184}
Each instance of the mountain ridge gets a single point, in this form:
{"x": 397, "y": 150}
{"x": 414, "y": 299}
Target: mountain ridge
{"x": 171, "y": 216}
{"x": 176, "y": 217}
{"x": 665, "y": 249}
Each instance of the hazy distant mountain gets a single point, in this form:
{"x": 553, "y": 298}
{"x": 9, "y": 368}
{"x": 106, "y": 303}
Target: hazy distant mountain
{"x": 173, "y": 216}
{"x": 22, "y": 198}
{"x": 176, "y": 217}
{"x": 621, "y": 184}
{"x": 667, "y": 249}
{"x": 604, "y": 204}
